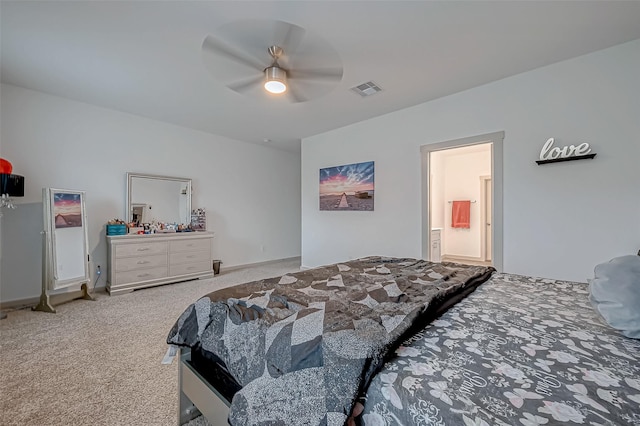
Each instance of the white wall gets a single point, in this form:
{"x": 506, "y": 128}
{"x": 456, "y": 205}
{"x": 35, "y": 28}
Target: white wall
{"x": 560, "y": 220}
{"x": 251, "y": 193}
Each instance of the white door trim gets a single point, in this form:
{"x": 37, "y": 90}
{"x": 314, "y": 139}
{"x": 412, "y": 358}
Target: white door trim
{"x": 483, "y": 217}
{"x": 496, "y": 139}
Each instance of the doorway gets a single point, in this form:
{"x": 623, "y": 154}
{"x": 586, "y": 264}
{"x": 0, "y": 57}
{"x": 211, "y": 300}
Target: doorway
{"x": 486, "y": 200}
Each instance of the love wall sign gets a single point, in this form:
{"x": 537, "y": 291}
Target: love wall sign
{"x": 554, "y": 154}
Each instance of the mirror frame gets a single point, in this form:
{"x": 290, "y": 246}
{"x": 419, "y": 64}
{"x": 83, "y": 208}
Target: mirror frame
{"x": 129, "y": 204}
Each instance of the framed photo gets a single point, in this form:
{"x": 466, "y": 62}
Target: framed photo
{"x": 67, "y": 209}
{"x": 347, "y": 187}
{"x": 66, "y": 232}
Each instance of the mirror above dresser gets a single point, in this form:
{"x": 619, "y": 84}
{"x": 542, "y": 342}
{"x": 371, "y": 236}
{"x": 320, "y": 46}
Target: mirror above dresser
{"x": 137, "y": 261}
{"x": 156, "y": 198}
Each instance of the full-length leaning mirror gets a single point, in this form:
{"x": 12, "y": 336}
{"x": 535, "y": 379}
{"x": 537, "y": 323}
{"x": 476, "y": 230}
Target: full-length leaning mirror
{"x": 154, "y": 198}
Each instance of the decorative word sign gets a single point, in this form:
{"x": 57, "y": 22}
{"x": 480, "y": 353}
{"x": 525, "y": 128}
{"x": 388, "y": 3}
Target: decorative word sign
{"x": 553, "y": 154}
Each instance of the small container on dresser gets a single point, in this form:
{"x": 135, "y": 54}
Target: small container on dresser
{"x": 138, "y": 261}
{"x": 198, "y": 220}
{"x": 116, "y": 229}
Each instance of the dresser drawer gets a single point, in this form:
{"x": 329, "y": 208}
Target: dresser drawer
{"x": 190, "y": 245}
{"x": 140, "y": 262}
{"x": 140, "y": 275}
{"x": 190, "y": 268}
{"x": 189, "y": 257}
{"x": 146, "y": 248}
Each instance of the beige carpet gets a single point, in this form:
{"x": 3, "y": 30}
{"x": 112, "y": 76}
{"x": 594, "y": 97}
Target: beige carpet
{"x": 98, "y": 362}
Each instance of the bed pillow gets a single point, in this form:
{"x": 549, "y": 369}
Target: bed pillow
{"x": 615, "y": 294}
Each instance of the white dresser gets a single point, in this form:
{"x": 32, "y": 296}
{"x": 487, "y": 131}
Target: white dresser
{"x": 137, "y": 261}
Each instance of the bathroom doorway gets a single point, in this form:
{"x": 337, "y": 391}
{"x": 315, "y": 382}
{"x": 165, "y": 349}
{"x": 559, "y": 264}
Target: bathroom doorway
{"x": 463, "y": 174}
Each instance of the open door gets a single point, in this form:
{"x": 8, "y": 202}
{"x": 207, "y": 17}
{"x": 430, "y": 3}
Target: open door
{"x": 491, "y": 246}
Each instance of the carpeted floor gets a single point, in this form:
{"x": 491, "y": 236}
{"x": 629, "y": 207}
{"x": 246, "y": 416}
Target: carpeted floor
{"x": 98, "y": 362}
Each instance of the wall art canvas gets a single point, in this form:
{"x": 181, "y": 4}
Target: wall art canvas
{"x": 67, "y": 210}
{"x": 348, "y": 187}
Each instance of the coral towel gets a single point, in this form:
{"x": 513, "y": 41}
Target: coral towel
{"x": 460, "y": 214}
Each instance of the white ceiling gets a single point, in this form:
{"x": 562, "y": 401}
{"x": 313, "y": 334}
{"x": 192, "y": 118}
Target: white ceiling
{"x": 145, "y": 58}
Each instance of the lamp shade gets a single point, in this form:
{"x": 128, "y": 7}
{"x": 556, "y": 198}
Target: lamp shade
{"x": 11, "y": 185}
{"x": 5, "y": 166}
{"x": 275, "y": 80}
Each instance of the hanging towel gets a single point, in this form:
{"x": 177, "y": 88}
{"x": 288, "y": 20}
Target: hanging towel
{"x": 461, "y": 214}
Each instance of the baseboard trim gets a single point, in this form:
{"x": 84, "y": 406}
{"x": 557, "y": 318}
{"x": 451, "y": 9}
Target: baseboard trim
{"x": 54, "y": 299}
{"x": 449, "y": 257}
{"x": 250, "y": 265}
{"x": 470, "y": 260}
{"x": 19, "y": 303}
{"x": 58, "y": 299}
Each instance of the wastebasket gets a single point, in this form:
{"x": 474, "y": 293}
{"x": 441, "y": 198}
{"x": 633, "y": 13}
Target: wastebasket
{"x": 216, "y": 267}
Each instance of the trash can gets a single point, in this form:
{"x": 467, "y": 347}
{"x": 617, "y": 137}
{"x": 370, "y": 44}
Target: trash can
{"x": 216, "y": 267}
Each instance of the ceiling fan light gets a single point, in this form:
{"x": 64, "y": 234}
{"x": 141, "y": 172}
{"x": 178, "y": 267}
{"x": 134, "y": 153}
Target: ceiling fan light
{"x": 275, "y": 80}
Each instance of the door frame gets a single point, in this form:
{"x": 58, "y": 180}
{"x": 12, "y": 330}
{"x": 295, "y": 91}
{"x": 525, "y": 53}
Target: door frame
{"x": 483, "y": 217}
{"x": 496, "y": 139}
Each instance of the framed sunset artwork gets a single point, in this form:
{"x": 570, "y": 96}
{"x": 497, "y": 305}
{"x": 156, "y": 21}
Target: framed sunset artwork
{"x": 347, "y": 187}
{"x": 67, "y": 209}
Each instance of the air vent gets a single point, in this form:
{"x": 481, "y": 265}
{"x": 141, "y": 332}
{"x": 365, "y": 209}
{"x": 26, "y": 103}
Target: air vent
{"x": 366, "y": 89}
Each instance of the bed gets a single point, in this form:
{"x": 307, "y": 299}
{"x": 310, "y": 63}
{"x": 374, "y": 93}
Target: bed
{"x": 386, "y": 341}
{"x": 518, "y": 351}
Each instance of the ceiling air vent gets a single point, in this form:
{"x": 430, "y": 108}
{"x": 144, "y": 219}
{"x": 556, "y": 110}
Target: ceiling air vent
{"x": 366, "y": 89}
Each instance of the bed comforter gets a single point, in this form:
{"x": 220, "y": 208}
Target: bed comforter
{"x": 303, "y": 346}
{"x": 518, "y": 351}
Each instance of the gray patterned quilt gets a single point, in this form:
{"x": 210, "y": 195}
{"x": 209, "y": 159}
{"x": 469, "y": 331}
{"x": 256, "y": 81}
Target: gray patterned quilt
{"x": 303, "y": 346}
{"x": 518, "y": 351}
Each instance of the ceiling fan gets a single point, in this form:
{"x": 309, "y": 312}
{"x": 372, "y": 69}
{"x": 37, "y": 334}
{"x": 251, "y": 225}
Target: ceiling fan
{"x": 272, "y": 59}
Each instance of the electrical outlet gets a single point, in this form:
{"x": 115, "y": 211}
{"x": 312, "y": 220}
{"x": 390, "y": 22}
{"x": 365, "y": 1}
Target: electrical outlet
{"x": 98, "y": 271}
{"x": 262, "y": 248}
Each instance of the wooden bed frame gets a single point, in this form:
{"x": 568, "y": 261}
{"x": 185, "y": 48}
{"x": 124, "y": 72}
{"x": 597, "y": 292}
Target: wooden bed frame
{"x": 197, "y": 396}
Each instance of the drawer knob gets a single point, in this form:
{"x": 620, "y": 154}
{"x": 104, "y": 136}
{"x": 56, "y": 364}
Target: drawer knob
{"x": 142, "y": 262}
{"x": 143, "y": 249}
{"x": 143, "y": 275}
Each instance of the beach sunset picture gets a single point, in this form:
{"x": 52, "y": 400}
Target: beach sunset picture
{"x": 348, "y": 187}
{"x": 67, "y": 210}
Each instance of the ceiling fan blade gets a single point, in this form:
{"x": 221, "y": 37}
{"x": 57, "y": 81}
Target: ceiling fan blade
{"x": 327, "y": 74}
{"x": 294, "y": 95}
{"x": 217, "y": 46}
{"x": 246, "y": 83}
{"x": 289, "y": 37}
